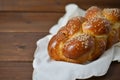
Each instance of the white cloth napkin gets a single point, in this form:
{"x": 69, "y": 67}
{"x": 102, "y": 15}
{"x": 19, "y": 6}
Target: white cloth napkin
{"x": 47, "y": 69}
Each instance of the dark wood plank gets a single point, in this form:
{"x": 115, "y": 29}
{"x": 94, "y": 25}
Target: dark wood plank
{"x": 18, "y": 46}
{"x": 23, "y": 22}
{"x": 16, "y": 70}
{"x": 27, "y": 22}
{"x": 52, "y": 5}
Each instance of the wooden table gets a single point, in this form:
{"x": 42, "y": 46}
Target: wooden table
{"x": 23, "y": 22}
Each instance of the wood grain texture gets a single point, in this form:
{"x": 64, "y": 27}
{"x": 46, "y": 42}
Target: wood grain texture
{"x": 16, "y": 70}
{"x": 18, "y": 46}
{"x": 23, "y": 22}
{"x": 52, "y": 5}
{"x": 27, "y": 22}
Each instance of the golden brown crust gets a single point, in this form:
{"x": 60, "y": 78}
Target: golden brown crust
{"x": 96, "y": 26}
{"x": 73, "y": 26}
{"x": 92, "y": 12}
{"x": 78, "y": 46}
{"x": 53, "y": 47}
{"x": 85, "y": 39}
{"x": 119, "y": 34}
{"x": 113, "y": 38}
{"x": 100, "y": 46}
{"x": 112, "y": 14}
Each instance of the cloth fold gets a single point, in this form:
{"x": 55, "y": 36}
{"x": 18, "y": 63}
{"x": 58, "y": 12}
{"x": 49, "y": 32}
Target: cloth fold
{"x": 47, "y": 69}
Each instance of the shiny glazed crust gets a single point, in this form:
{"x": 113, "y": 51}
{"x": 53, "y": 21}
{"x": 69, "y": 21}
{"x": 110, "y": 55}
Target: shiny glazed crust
{"x": 85, "y": 39}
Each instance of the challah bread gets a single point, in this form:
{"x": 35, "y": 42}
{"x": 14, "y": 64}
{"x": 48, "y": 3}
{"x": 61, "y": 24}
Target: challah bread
{"x": 70, "y": 44}
{"x": 111, "y": 14}
{"x": 99, "y": 28}
{"x": 84, "y": 39}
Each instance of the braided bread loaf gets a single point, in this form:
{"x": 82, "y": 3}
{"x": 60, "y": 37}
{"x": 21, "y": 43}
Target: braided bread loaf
{"x": 84, "y": 39}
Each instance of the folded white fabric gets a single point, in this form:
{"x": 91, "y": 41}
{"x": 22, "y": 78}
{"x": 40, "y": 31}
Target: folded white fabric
{"x": 47, "y": 69}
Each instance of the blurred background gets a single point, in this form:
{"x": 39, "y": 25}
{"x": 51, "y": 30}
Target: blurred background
{"x": 23, "y": 22}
